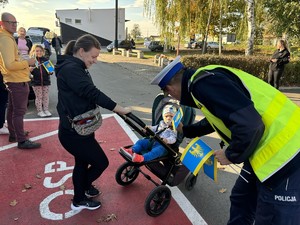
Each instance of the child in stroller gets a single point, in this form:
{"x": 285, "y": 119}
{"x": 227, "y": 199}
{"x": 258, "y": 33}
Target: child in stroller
{"x": 165, "y": 131}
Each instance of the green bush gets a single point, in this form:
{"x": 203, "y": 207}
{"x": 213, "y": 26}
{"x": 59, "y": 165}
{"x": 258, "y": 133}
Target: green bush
{"x": 255, "y": 65}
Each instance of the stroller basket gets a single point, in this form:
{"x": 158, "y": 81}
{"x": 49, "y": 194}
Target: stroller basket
{"x": 173, "y": 176}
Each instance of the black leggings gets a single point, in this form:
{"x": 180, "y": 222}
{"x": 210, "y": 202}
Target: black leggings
{"x": 274, "y": 77}
{"x": 90, "y": 160}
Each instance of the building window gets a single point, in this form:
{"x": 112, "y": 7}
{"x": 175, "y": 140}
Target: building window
{"x": 68, "y": 20}
{"x": 77, "y": 21}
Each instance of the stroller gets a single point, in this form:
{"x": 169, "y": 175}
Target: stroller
{"x": 167, "y": 168}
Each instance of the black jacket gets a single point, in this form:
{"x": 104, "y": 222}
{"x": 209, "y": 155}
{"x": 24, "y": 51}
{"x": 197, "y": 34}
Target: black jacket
{"x": 53, "y": 42}
{"x": 76, "y": 91}
{"x": 40, "y": 74}
{"x": 283, "y": 57}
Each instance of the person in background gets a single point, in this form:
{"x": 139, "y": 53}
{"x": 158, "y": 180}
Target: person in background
{"x": 24, "y": 44}
{"x": 47, "y": 48}
{"x": 56, "y": 44}
{"x": 75, "y": 84}
{"x": 3, "y": 104}
{"x": 15, "y": 71}
{"x": 140, "y": 150}
{"x": 260, "y": 127}
{"x": 40, "y": 81}
{"x": 279, "y": 58}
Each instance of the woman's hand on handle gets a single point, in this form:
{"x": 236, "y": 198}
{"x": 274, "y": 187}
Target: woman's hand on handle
{"x": 122, "y": 110}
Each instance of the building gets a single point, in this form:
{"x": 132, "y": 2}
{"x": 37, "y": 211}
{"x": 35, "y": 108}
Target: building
{"x": 99, "y": 22}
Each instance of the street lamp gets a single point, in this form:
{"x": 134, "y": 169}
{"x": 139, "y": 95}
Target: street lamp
{"x": 116, "y": 26}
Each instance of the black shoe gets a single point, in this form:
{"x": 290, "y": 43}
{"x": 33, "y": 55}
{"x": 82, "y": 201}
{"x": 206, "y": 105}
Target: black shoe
{"x": 85, "y": 204}
{"x": 28, "y": 145}
{"x": 92, "y": 192}
{"x": 13, "y": 139}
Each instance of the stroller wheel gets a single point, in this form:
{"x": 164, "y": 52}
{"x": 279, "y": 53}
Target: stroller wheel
{"x": 126, "y": 174}
{"x": 158, "y": 201}
{"x": 190, "y": 182}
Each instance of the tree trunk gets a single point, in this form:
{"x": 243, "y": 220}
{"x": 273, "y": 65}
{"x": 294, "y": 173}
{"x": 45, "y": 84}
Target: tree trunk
{"x": 251, "y": 26}
{"x": 204, "y": 50}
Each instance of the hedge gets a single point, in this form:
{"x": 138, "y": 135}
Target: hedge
{"x": 255, "y": 65}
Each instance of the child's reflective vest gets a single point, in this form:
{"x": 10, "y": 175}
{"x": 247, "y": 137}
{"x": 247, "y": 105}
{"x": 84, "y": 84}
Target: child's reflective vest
{"x": 281, "y": 138}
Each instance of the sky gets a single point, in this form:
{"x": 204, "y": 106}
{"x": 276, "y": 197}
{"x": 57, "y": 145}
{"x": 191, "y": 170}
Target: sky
{"x": 41, "y": 13}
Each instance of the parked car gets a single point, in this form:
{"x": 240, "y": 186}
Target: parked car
{"x": 156, "y": 46}
{"x": 147, "y": 42}
{"x": 191, "y": 44}
{"x": 213, "y": 45}
{"x": 121, "y": 44}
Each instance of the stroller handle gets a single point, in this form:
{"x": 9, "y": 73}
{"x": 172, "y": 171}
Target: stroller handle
{"x": 136, "y": 119}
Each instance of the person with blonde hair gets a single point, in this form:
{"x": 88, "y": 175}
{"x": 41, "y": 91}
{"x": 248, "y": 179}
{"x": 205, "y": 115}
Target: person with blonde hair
{"x": 40, "y": 81}
{"x": 279, "y": 58}
{"x": 24, "y": 44}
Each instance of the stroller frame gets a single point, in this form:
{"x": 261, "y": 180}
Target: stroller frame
{"x": 165, "y": 168}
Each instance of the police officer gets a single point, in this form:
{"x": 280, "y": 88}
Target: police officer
{"x": 260, "y": 127}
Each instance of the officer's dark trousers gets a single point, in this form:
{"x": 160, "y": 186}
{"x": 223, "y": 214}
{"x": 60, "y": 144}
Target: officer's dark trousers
{"x": 254, "y": 201}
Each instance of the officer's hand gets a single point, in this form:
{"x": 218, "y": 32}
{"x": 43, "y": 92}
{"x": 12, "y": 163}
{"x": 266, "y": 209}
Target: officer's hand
{"x": 221, "y": 157}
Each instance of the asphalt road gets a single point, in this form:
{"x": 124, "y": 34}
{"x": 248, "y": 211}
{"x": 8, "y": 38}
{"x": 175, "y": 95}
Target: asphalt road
{"x": 210, "y": 199}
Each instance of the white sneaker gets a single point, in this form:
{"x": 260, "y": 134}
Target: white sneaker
{"x": 47, "y": 113}
{"x": 41, "y": 114}
{"x": 4, "y": 130}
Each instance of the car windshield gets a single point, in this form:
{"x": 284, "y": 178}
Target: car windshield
{"x": 36, "y": 39}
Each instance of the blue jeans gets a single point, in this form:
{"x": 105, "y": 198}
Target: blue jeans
{"x": 156, "y": 151}
{"x": 254, "y": 201}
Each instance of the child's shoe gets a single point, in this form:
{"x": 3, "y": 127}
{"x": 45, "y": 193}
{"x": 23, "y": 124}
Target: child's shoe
{"x": 137, "y": 158}
{"x": 129, "y": 150}
{"x": 47, "y": 113}
{"x": 4, "y": 130}
{"x": 41, "y": 114}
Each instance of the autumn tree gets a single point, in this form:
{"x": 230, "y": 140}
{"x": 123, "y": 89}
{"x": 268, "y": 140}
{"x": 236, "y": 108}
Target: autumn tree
{"x": 136, "y": 31}
{"x": 284, "y": 17}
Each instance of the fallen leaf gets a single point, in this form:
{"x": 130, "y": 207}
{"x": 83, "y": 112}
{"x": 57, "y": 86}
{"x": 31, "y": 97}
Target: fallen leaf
{"x": 38, "y": 176}
{"x": 13, "y": 203}
{"x": 15, "y": 219}
{"x": 107, "y": 218}
{"x": 222, "y": 190}
{"x": 27, "y": 186}
{"x": 24, "y": 190}
{"x": 112, "y": 149}
{"x": 62, "y": 187}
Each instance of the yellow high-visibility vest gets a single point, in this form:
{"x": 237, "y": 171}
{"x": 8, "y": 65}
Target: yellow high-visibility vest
{"x": 281, "y": 139}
